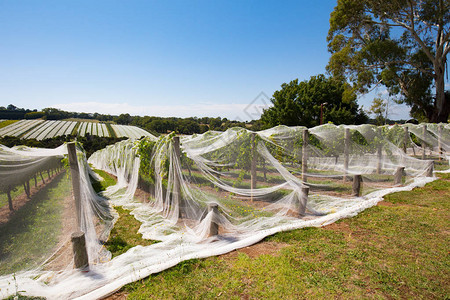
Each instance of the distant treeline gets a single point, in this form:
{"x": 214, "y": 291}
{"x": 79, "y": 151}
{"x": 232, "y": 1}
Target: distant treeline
{"x": 90, "y": 143}
{"x": 155, "y": 125}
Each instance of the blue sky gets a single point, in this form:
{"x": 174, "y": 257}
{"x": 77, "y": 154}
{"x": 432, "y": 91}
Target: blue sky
{"x": 165, "y": 58}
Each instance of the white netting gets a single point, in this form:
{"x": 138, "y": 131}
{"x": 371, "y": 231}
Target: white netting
{"x": 208, "y": 194}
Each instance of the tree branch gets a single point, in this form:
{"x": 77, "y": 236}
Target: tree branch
{"x": 446, "y": 49}
{"x": 416, "y": 36}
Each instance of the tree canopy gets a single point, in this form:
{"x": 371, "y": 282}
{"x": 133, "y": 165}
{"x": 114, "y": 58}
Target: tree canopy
{"x": 298, "y": 103}
{"x": 402, "y": 44}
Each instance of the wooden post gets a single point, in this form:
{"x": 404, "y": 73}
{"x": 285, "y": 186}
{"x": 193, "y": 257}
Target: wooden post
{"x": 42, "y": 177}
{"x": 356, "y": 187}
{"x": 80, "y": 256}
{"x": 424, "y": 134}
{"x": 176, "y": 183}
{"x": 440, "y": 141}
{"x": 253, "y": 164}
{"x": 35, "y": 181}
{"x": 379, "y": 152}
{"x": 405, "y": 138}
{"x": 214, "y": 227}
{"x": 430, "y": 169}
{"x": 346, "y": 151}
{"x": 398, "y": 176}
{"x": 305, "y": 155}
{"x": 75, "y": 172}
{"x": 303, "y": 200}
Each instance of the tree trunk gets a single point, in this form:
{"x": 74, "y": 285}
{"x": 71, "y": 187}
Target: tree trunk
{"x": 28, "y": 188}
{"x": 442, "y": 105}
{"x": 11, "y": 207}
{"x": 25, "y": 189}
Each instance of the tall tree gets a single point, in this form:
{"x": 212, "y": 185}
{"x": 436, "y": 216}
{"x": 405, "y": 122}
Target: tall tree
{"x": 402, "y": 44}
{"x": 299, "y": 103}
{"x": 379, "y": 109}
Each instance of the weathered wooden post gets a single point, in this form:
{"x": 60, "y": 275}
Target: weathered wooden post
{"x": 430, "y": 169}
{"x": 78, "y": 240}
{"x": 81, "y": 260}
{"x": 305, "y": 155}
{"x": 303, "y": 200}
{"x": 176, "y": 184}
{"x": 346, "y": 151}
{"x": 253, "y": 164}
{"x": 75, "y": 174}
{"x": 379, "y": 151}
{"x": 398, "y": 176}
{"x": 440, "y": 141}
{"x": 356, "y": 187}
{"x": 405, "y": 138}
{"x": 424, "y": 134}
{"x": 214, "y": 227}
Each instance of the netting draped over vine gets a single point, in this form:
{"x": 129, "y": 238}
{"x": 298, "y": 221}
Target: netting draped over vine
{"x": 208, "y": 194}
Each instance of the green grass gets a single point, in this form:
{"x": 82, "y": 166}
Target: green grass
{"x": 124, "y": 235}
{"x": 33, "y": 231}
{"x": 7, "y": 122}
{"x": 396, "y": 250}
{"x": 100, "y": 186}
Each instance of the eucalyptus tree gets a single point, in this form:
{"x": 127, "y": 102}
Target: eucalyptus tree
{"x": 402, "y": 44}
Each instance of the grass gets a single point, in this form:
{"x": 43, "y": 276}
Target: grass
{"x": 100, "y": 186}
{"x": 33, "y": 231}
{"x": 395, "y": 250}
{"x": 124, "y": 235}
{"x": 18, "y": 190}
{"x": 7, "y": 122}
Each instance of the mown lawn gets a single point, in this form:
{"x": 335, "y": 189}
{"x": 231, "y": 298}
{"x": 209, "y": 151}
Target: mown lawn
{"x": 398, "y": 249}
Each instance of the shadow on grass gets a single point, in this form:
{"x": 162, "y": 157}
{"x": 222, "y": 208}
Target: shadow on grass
{"x": 33, "y": 231}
